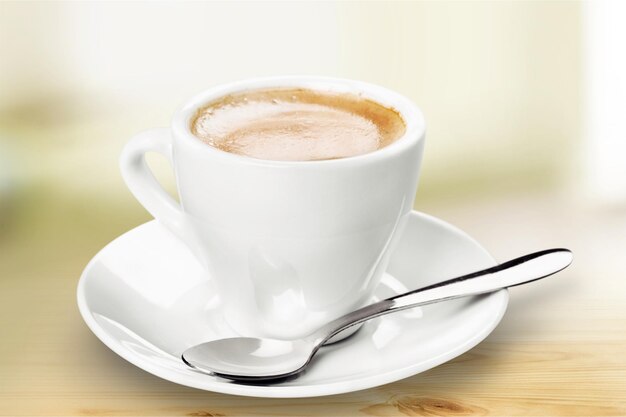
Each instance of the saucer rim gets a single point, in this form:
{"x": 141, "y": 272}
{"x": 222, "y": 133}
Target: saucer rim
{"x": 304, "y": 391}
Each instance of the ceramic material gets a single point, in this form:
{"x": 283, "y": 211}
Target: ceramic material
{"x": 147, "y": 298}
{"x": 290, "y": 245}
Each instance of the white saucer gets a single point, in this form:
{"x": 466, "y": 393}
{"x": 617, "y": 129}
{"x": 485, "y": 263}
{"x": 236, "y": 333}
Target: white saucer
{"x": 147, "y": 299}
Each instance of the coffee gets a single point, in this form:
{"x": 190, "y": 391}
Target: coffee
{"x": 297, "y": 124}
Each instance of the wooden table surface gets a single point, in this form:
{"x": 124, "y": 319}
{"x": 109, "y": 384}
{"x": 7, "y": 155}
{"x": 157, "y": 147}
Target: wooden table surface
{"x": 560, "y": 349}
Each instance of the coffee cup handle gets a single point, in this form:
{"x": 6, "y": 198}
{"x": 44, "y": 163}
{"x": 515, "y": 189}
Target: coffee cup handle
{"x": 146, "y": 188}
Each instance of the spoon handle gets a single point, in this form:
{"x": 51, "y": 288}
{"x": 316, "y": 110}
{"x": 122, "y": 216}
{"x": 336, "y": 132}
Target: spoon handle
{"x": 518, "y": 271}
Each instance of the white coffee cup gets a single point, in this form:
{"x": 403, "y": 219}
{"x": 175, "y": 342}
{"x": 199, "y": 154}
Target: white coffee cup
{"x": 290, "y": 245}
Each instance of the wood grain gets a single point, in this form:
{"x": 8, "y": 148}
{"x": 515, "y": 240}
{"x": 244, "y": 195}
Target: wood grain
{"x": 560, "y": 350}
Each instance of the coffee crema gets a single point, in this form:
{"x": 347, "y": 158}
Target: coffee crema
{"x": 295, "y": 124}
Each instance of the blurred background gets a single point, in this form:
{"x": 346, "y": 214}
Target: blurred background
{"x": 525, "y": 104}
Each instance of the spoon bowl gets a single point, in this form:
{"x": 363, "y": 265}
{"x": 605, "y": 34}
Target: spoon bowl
{"x": 249, "y": 357}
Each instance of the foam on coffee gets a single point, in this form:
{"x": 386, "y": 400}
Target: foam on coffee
{"x": 297, "y": 124}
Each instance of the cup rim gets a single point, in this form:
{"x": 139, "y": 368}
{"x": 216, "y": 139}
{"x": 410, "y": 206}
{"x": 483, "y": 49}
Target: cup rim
{"x": 410, "y": 113}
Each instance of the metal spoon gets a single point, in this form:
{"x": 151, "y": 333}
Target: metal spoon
{"x": 253, "y": 359}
